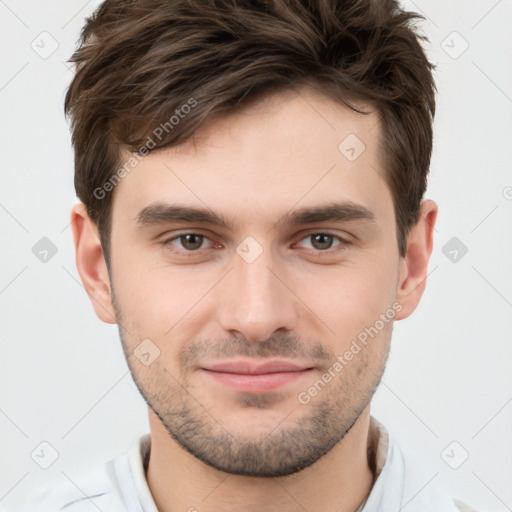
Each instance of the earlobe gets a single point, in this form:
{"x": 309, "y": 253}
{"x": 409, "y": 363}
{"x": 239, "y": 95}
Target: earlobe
{"x": 90, "y": 262}
{"x": 414, "y": 266}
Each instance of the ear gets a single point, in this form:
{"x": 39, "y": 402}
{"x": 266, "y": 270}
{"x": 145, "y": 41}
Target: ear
{"x": 91, "y": 265}
{"x": 414, "y": 266}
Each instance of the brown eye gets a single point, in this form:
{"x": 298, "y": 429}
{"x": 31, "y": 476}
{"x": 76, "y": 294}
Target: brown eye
{"x": 323, "y": 241}
{"x": 192, "y": 241}
{"x": 186, "y": 242}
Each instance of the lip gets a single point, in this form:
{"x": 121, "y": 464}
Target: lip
{"x": 249, "y": 377}
{"x": 250, "y": 368}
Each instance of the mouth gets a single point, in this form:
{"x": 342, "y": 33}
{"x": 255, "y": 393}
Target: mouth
{"x": 246, "y": 376}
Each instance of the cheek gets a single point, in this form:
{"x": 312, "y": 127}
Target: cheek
{"x": 350, "y": 298}
{"x": 157, "y": 302}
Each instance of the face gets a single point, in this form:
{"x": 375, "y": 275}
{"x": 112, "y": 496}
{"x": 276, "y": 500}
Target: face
{"x": 269, "y": 241}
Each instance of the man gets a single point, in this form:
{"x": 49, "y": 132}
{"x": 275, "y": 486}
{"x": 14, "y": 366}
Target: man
{"x": 252, "y": 218}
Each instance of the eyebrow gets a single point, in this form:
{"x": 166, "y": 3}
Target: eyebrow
{"x": 160, "y": 213}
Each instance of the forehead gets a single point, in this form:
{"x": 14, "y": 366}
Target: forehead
{"x": 292, "y": 148}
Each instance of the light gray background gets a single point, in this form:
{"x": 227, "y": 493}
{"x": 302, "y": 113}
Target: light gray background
{"x": 63, "y": 378}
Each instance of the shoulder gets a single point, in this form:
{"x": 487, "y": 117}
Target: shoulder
{"x": 404, "y": 472}
{"x": 93, "y": 489}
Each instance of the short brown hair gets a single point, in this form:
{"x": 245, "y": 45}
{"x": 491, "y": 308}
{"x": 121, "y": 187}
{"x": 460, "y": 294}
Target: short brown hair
{"x": 139, "y": 62}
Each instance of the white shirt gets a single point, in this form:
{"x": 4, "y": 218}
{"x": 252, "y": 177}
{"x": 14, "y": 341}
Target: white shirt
{"x": 120, "y": 484}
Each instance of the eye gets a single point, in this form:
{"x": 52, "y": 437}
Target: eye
{"x": 193, "y": 242}
{"x": 323, "y": 241}
{"x": 190, "y": 242}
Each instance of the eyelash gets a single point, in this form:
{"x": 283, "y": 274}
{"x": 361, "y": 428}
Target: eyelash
{"x": 342, "y": 242}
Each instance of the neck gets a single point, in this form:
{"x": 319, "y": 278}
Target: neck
{"x": 339, "y": 481}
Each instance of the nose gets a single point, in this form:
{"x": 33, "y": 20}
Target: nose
{"x": 257, "y": 300}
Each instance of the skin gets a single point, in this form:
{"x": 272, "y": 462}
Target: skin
{"x": 302, "y": 300}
